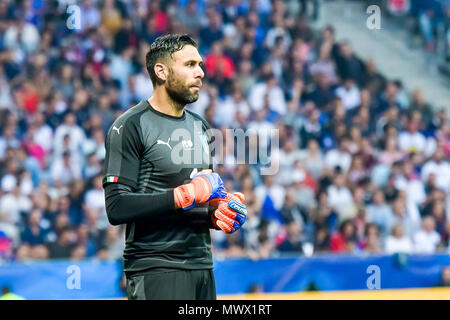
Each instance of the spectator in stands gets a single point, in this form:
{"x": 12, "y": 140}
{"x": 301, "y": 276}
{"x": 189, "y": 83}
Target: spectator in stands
{"x": 64, "y": 245}
{"x": 339, "y": 155}
{"x": 427, "y": 24}
{"x": 323, "y": 92}
{"x": 412, "y": 140}
{"x": 379, "y": 212}
{"x": 427, "y": 238}
{"x": 313, "y": 158}
{"x": 311, "y": 129}
{"x": 34, "y": 238}
{"x": 291, "y": 211}
{"x": 94, "y": 201}
{"x": 325, "y": 64}
{"x": 371, "y": 242}
{"x": 293, "y": 242}
{"x": 13, "y": 202}
{"x": 418, "y": 103}
{"x": 68, "y": 136}
{"x": 66, "y": 169}
{"x": 439, "y": 168}
{"x": 233, "y": 110}
{"x": 113, "y": 244}
{"x": 350, "y": 94}
{"x": 345, "y": 239}
{"x": 397, "y": 242}
{"x": 391, "y": 153}
{"x": 348, "y": 65}
{"x": 339, "y": 196}
{"x": 267, "y": 94}
{"x": 212, "y": 32}
{"x": 271, "y": 195}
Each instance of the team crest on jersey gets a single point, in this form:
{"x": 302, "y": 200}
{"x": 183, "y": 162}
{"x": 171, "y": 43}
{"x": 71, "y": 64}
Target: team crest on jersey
{"x": 187, "y": 144}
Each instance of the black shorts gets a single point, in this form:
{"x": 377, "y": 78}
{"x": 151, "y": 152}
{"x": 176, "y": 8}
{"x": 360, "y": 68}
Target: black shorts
{"x": 172, "y": 284}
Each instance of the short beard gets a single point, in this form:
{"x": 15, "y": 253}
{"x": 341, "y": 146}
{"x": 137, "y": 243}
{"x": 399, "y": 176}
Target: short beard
{"x": 178, "y": 92}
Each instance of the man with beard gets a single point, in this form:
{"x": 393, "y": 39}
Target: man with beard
{"x": 158, "y": 180}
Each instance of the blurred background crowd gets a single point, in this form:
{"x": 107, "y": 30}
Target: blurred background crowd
{"x": 363, "y": 164}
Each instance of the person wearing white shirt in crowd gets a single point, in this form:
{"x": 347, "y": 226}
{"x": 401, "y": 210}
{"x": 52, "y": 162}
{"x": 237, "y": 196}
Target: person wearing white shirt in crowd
{"x": 339, "y": 157}
{"x": 13, "y": 202}
{"x": 44, "y": 133}
{"x": 276, "y": 31}
{"x": 313, "y": 158}
{"x": 226, "y": 110}
{"x": 94, "y": 199}
{"x": 268, "y": 93}
{"x": 92, "y": 167}
{"x": 439, "y": 168}
{"x": 272, "y": 190}
{"x": 398, "y": 242}
{"x": 349, "y": 94}
{"x": 427, "y": 239}
{"x": 21, "y": 37}
{"x": 411, "y": 184}
{"x": 76, "y": 135}
{"x": 339, "y": 196}
{"x": 91, "y": 15}
{"x": 412, "y": 140}
{"x": 95, "y": 144}
{"x": 404, "y": 213}
{"x": 144, "y": 85}
{"x": 287, "y": 156}
{"x": 66, "y": 169}
{"x": 261, "y": 128}
{"x": 122, "y": 67}
{"x": 6, "y": 99}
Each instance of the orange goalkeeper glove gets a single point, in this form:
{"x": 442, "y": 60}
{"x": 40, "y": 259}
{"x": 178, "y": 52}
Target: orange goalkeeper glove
{"x": 204, "y": 187}
{"x": 231, "y": 213}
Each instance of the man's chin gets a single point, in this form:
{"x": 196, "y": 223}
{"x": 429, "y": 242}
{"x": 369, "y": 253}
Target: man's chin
{"x": 193, "y": 98}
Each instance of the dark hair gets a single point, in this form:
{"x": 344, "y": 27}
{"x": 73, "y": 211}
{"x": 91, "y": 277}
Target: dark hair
{"x": 164, "y": 47}
{"x": 370, "y": 226}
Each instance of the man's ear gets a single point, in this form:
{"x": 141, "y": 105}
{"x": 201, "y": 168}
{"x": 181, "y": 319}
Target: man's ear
{"x": 161, "y": 71}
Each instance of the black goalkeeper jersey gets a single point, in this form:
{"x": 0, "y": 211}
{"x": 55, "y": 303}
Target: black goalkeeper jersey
{"x": 149, "y": 153}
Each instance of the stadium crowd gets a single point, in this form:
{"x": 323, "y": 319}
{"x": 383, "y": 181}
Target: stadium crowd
{"x": 363, "y": 164}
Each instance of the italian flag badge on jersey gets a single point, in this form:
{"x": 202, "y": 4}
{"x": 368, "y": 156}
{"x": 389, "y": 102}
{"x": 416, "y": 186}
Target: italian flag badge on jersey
{"x": 112, "y": 179}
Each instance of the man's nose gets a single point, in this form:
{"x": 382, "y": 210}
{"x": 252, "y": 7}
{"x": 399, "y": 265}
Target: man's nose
{"x": 199, "y": 73}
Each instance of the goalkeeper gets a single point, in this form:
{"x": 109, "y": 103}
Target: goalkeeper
{"x": 168, "y": 207}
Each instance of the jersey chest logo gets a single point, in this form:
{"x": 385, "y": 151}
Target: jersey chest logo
{"x": 165, "y": 143}
{"x": 117, "y": 129}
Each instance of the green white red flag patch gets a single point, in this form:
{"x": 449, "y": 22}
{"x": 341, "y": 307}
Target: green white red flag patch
{"x": 112, "y": 179}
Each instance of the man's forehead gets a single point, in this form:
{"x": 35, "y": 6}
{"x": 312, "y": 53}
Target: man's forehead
{"x": 186, "y": 54}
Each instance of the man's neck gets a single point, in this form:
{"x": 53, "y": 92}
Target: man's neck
{"x": 161, "y": 102}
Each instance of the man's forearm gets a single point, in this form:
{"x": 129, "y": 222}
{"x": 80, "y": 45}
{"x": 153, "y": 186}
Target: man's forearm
{"x": 123, "y": 205}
